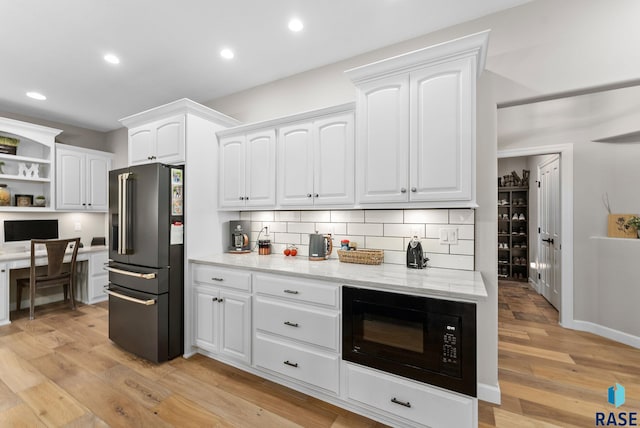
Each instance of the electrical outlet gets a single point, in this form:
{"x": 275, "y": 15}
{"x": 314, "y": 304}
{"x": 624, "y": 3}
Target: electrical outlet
{"x": 449, "y": 236}
{"x": 77, "y": 227}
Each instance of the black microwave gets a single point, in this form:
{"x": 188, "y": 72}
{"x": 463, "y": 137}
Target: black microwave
{"x": 421, "y": 338}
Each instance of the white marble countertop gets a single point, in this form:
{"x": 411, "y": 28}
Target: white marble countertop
{"x": 7, "y": 255}
{"x": 435, "y": 282}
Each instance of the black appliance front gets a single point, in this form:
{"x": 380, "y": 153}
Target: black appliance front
{"x": 146, "y": 259}
{"x": 140, "y": 214}
{"x": 140, "y": 326}
{"x": 430, "y": 340}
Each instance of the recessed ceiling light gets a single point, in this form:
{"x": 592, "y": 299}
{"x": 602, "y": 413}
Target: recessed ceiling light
{"x": 227, "y": 53}
{"x": 295, "y": 25}
{"x": 36, "y": 96}
{"x": 112, "y": 59}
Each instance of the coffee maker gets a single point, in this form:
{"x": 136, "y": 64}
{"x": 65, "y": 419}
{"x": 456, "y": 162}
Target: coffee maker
{"x": 239, "y": 236}
{"x": 415, "y": 256}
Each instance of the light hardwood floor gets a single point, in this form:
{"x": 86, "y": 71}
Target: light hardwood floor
{"x": 552, "y": 376}
{"x": 61, "y": 370}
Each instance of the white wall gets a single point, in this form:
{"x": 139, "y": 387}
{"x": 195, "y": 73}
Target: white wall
{"x": 506, "y": 165}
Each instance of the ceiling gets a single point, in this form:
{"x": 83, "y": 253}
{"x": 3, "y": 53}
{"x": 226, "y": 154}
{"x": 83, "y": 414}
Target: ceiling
{"x": 170, "y": 49}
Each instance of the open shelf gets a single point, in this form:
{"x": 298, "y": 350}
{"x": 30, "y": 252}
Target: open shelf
{"x": 512, "y": 232}
{"x": 21, "y": 178}
{"x": 24, "y": 159}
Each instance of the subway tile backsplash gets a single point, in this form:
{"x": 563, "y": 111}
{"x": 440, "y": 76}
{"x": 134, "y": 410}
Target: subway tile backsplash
{"x": 389, "y": 230}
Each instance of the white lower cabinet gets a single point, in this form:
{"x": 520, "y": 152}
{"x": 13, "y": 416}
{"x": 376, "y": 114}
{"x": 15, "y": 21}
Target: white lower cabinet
{"x": 98, "y": 278}
{"x": 287, "y": 329}
{"x": 222, "y": 317}
{"x": 413, "y": 401}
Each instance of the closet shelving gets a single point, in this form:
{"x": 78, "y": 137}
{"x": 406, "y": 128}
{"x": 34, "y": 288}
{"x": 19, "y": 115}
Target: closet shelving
{"x": 513, "y": 233}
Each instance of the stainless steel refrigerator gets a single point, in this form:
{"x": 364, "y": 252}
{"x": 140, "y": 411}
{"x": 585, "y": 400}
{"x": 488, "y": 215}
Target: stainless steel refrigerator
{"x": 146, "y": 255}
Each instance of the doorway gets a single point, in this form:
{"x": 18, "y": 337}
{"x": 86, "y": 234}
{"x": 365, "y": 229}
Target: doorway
{"x": 564, "y": 257}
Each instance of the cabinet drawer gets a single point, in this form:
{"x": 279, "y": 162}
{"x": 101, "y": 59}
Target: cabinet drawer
{"x": 299, "y": 289}
{"x": 310, "y": 366}
{"x": 311, "y": 325}
{"x": 221, "y": 277}
{"x": 419, "y": 403}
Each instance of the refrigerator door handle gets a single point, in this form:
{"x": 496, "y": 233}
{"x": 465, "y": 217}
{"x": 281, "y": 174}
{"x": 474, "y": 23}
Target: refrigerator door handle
{"x": 131, "y": 299}
{"x": 123, "y": 213}
{"x": 129, "y": 273}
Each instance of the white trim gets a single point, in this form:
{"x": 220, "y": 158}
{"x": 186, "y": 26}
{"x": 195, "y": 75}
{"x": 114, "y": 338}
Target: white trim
{"x": 298, "y": 117}
{"x": 181, "y": 106}
{"x": 566, "y": 214}
{"x": 489, "y": 393}
{"x": 471, "y": 45}
{"x": 609, "y": 333}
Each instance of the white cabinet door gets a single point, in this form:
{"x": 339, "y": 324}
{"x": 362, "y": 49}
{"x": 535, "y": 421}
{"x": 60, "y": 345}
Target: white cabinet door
{"x": 141, "y": 144}
{"x": 441, "y": 135}
{"x": 170, "y": 140}
{"x": 97, "y": 185}
{"x": 260, "y": 174}
{"x": 206, "y": 318}
{"x": 334, "y": 160}
{"x": 382, "y": 147}
{"x": 97, "y": 279}
{"x": 295, "y": 165}
{"x": 70, "y": 182}
{"x": 235, "y": 324}
{"x": 232, "y": 172}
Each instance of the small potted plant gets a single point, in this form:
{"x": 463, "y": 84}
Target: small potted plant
{"x": 635, "y": 222}
{"x": 40, "y": 201}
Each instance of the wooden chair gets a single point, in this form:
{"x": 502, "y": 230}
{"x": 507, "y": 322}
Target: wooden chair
{"x": 56, "y": 274}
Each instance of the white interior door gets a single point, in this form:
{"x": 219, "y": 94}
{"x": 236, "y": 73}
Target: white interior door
{"x": 549, "y": 243}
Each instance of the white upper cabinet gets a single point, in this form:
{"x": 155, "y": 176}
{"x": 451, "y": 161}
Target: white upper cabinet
{"x": 442, "y": 132}
{"x": 416, "y": 125}
{"x": 295, "y": 161}
{"x": 383, "y": 140}
{"x": 248, "y": 170}
{"x": 159, "y": 141}
{"x": 314, "y": 154}
{"x": 82, "y": 177}
{"x": 316, "y": 161}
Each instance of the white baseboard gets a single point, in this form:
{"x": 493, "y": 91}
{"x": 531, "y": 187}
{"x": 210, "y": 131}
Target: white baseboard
{"x": 609, "y": 333}
{"x": 490, "y": 393}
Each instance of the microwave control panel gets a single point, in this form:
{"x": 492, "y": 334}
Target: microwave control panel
{"x": 450, "y": 355}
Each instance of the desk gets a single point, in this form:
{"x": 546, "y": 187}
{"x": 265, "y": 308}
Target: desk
{"x": 91, "y": 277}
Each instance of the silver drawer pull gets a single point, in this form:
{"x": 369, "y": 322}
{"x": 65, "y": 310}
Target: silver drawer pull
{"x": 217, "y": 279}
{"x": 291, "y": 291}
{"x": 292, "y": 324}
{"x": 128, "y": 273}
{"x": 289, "y": 363}
{"x": 402, "y": 403}
{"x": 131, "y": 299}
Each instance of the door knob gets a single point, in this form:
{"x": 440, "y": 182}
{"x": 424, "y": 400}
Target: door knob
{"x": 550, "y": 241}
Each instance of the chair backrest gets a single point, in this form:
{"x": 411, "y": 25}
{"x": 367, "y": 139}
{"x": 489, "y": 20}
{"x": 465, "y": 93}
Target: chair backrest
{"x": 56, "y": 249}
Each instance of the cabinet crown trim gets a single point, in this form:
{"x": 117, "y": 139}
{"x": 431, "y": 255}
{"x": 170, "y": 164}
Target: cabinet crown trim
{"x": 38, "y": 133}
{"x": 181, "y": 106}
{"x": 84, "y": 150}
{"x": 285, "y": 120}
{"x": 471, "y": 45}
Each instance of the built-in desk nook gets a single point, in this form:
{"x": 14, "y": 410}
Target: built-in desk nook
{"x": 15, "y": 261}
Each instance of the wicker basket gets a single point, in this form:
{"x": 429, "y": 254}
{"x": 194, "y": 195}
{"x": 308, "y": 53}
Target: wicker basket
{"x": 362, "y": 257}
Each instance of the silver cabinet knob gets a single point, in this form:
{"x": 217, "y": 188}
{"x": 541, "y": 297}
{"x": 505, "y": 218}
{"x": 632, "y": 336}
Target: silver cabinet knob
{"x": 414, "y": 190}
{"x": 403, "y": 190}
